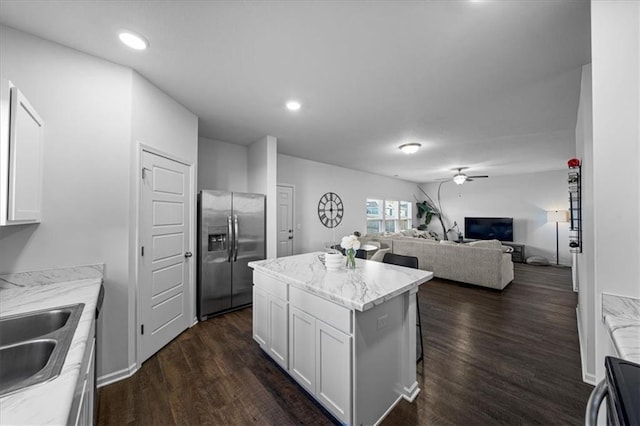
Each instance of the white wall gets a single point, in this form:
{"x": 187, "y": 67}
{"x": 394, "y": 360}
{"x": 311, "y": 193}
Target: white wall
{"x": 261, "y": 179}
{"x": 222, "y": 166}
{"x": 615, "y": 44}
{"x": 312, "y": 179}
{"x": 526, "y": 198}
{"x": 585, "y": 260}
{"x": 94, "y": 112}
{"x": 162, "y": 123}
{"x": 83, "y": 101}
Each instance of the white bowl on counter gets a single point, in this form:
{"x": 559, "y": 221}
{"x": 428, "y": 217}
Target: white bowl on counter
{"x": 333, "y": 261}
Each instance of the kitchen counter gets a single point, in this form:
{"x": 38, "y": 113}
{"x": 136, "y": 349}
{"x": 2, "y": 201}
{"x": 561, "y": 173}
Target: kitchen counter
{"x": 621, "y": 316}
{"x": 370, "y": 284}
{"x": 50, "y": 402}
{"x": 348, "y": 337}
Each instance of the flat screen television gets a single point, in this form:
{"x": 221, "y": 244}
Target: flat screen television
{"x": 488, "y": 228}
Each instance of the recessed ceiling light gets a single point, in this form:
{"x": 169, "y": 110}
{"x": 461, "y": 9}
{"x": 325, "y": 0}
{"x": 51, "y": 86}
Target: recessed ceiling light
{"x": 409, "y": 148}
{"x": 293, "y": 105}
{"x": 134, "y": 41}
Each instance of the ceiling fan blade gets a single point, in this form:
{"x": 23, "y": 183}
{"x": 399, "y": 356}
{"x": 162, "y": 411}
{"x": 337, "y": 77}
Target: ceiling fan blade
{"x": 476, "y": 177}
{"x": 468, "y": 180}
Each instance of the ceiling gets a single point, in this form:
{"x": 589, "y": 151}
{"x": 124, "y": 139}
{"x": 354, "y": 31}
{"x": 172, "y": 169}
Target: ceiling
{"x": 489, "y": 85}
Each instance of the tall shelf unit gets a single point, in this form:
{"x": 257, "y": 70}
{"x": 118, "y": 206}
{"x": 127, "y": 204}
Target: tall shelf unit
{"x": 575, "y": 209}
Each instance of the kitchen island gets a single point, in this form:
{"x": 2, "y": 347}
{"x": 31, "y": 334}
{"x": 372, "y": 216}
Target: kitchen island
{"x": 348, "y": 336}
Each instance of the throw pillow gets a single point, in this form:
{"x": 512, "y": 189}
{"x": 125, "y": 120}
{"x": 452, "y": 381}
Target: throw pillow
{"x": 379, "y": 255}
{"x": 495, "y": 244}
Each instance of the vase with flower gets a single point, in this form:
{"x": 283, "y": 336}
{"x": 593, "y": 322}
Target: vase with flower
{"x": 350, "y": 244}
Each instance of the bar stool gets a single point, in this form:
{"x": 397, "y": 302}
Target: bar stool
{"x": 409, "y": 262}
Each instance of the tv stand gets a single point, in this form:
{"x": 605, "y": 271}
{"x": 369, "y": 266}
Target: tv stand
{"x": 517, "y": 255}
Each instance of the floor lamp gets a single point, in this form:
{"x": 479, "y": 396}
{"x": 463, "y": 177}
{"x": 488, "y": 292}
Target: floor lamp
{"x": 557, "y": 216}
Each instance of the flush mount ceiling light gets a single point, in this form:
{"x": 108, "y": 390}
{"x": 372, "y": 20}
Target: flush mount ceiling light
{"x": 134, "y": 41}
{"x": 409, "y": 148}
{"x": 293, "y": 105}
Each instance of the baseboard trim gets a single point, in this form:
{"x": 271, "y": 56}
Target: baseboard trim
{"x": 411, "y": 392}
{"x": 586, "y": 376}
{"x": 386, "y": 413}
{"x": 116, "y": 376}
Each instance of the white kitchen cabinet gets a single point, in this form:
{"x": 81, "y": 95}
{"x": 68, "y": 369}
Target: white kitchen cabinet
{"x": 270, "y": 315}
{"x": 82, "y": 407}
{"x": 302, "y": 343}
{"x": 351, "y": 334}
{"x": 21, "y": 148}
{"x": 333, "y": 370}
{"x": 316, "y": 354}
{"x": 260, "y": 316}
{"x": 321, "y": 361}
{"x": 277, "y": 345}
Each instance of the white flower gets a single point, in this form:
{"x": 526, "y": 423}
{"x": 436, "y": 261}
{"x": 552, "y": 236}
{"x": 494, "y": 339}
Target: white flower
{"x": 350, "y": 242}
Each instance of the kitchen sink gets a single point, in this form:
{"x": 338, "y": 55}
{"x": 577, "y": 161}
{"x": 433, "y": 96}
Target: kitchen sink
{"x": 34, "y": 346}
{"x": 31, "y": 326}
{"x": 22, "y": 361}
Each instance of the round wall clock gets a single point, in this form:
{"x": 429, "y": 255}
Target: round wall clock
{"x": 330, "y": 210}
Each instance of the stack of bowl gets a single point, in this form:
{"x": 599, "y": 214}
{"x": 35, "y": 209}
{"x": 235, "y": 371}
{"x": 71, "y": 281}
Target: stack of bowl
{"x": 333, "y": 261}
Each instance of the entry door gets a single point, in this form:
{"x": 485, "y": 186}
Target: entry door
{"x": 285, "y": 221}
{"x": 164, "y": 287}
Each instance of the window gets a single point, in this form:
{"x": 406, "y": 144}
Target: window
{"x": 388, "y": 216}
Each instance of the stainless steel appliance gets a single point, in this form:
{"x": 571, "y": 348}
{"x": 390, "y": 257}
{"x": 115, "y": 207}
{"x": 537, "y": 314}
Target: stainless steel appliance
{"x": 621, "y": 389}
{"x": 231, "y": 234}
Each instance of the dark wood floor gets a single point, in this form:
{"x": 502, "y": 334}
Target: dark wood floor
{"x": 491, "y": 357}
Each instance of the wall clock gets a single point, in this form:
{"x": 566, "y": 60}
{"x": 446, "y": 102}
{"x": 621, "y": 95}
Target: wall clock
{"x": 330, "y": 210}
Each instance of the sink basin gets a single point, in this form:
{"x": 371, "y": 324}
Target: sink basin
{"x": 34, "y": 346}
{"x": 22, "y": 361}
{"x": 31, "y": 326}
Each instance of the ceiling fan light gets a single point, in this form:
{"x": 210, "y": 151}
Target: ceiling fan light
{"x": 409, "y": 148}
{"x": 459, "y": 179}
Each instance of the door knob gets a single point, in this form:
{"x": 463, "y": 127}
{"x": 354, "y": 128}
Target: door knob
{"x": 290, "y": 237}
{"x": 188, "y": 254}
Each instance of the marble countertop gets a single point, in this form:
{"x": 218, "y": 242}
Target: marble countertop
{"x": 50, "y": 402}
{"x": 370, "y": 284}
{"x": 621, "y": 315}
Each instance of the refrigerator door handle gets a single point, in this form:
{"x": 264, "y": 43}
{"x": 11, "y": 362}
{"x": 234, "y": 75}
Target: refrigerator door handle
{"x": 235, "y": 237}
{"x": 229, "y": 237}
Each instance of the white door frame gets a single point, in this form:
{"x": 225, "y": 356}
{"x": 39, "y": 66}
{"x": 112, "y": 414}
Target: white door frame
{"x": 293, "y": 212}
{"x": 134, "y": 340}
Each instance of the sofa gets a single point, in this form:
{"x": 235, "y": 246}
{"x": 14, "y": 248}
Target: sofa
{"x": 483, "y": 263}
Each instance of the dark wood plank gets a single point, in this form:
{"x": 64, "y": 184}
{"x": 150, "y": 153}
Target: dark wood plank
{"x": 491, "y": 357}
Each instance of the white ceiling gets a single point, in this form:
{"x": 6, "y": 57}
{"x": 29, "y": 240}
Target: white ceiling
{"x": 489, "y": 85}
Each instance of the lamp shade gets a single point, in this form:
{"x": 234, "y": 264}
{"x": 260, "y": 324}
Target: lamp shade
{"x": 558, "y": 216}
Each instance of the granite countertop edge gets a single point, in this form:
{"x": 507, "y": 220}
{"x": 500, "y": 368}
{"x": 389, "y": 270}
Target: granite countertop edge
{"x": 50, "y": 402}
{"x": 336, "y": 298}
{"x": 621, "y": 316}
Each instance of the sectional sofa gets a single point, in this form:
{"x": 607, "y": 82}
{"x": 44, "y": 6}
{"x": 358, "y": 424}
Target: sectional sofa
{"x": 483, "y": 263}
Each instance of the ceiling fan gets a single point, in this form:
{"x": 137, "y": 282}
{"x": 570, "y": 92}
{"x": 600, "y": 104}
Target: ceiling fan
{"x": 460, "y": 178}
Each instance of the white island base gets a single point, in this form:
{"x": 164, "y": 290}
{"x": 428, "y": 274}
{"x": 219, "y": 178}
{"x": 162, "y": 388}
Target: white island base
{"x": 348, "y": 337}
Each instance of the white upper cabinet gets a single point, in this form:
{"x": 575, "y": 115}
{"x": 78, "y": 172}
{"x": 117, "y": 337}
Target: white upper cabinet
{"x": 21, "y": 146}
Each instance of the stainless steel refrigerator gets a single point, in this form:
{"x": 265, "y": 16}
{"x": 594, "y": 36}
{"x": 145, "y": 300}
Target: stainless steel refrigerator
{"x": 231, "y": 234}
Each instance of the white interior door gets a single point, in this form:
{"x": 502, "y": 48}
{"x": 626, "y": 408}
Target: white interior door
{"x": 285, "y": 221}
{"x": 164, "y": 287}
